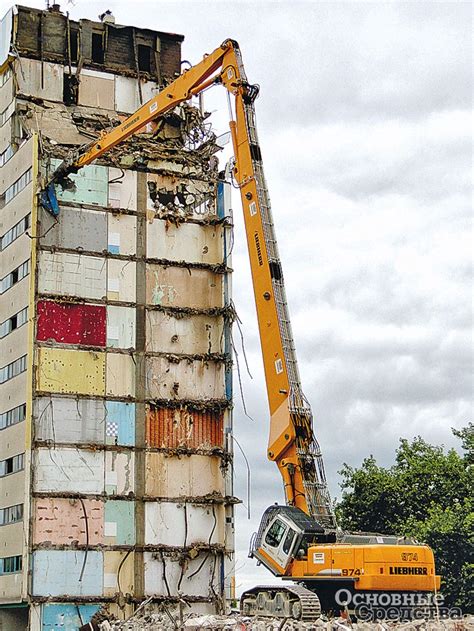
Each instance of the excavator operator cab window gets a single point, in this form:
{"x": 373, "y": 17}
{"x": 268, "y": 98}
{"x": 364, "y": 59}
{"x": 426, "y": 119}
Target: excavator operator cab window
{"x": 287, "y": 544}
{"x": 275, "y": 533}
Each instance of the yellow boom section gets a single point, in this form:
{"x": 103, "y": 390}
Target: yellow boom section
{"x": 292, "y": 444}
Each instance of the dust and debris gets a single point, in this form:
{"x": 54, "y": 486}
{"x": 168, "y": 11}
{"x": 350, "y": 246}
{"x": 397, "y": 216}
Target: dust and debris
{"x": 171, "y": 619}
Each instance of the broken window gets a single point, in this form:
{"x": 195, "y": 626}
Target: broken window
{"x": 144, "y": 58}
{"x": 17, "y": 320}
{"x": 12, "y": 465}
{"x": 74, "y": 47}
{"x": 70, "y": 89}
{"x": 97, "y": 48}
{"x": 15, "y": 276}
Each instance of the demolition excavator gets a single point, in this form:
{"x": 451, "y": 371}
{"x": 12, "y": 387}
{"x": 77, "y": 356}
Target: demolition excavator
{"x": 300, "y": 541}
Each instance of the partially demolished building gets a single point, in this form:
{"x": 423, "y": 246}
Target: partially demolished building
{"x": 115, "y": 348}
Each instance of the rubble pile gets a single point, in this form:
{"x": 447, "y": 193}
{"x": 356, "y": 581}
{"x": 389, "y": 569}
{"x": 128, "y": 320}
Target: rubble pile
{"x": 143, "y": 621}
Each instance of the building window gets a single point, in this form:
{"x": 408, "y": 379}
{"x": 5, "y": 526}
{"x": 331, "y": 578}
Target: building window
{"x": 10, "y": 565}
{"x": 13, "y": 416}
{"x": 17, "y": 230}
{"x": 14, "y": 277}
{"x": 11, "y": 514}
{"x": 12, "y": 465}
{"x": 15, "y": 322}
{"x": 97, "y": 48}
{"x": 5, "y": 76}
{"x": 6, "y": 114}
{"x": 13, "y": 369}
{"x": 144, "y": 58}
{"x": 74, "y": 46}
{"x": 6, "y": 155}
{"x": 21, "y": 183}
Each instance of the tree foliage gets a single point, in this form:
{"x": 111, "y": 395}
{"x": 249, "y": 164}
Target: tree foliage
{"x": 426, "y": 494}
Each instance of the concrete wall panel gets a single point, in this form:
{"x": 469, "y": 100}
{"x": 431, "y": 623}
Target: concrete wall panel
{"x": 6, "y": 96}
{"x": 119, "y": 472}
{"x": 189, "y": 242}
{"x": 119, "y": 526}
{"x": 196, "y": 334}
{"x": 165, "y": 523}
{"x": 91, "y": 186}
{"x": 70, "y": 323}
{"x": 120, "y": 423}
{"x": 122, "y": 234}
{"x": 121, "y": 280}
{"x": 193, "y": 198}
{"x": 197, "y": 585}
{"x": 122, "y": 187}
{"x": 127, "y": 96}
{"x": 183, "y": 287}
{"x": 75, "y": 228}
{"x": 120, "y": 327}
{"x": 184, "y": 380}
{"x": 57, "y": 572}
{"x": 66, "y": 617}
{"x": 184, "y": 476}
{"x": 179, "y": 427}
{"x": 112, "y": 562}
{"x": 43, "y": 80}
{"x": 71, "y": 275}
{"x": 120, "y": 379}
{"x": 62, "y": 522}
{"x": 63, "y": 420}
{"x": 70, "y": 371}
{"x": 68, "y": 470}
{"x": 96, "y": 91}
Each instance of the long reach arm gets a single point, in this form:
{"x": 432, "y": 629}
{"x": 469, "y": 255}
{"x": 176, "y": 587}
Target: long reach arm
{"x": 292, "y": 444}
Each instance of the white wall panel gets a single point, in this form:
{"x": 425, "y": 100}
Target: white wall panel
{"x": 71, "y": 275}
{"x": 165, "y": 523}
{"x": 189, "y": 242}
{"x": 121, "y": 281}
{"x": 122, "y": 191}
{"x": 173, "y": 476}
{"x": 122, "y": 234}
{"x": 65, "y": 420}
{"x": 196, "y": 334}
{"x": 68, "y": 470}
{"x": 184, "y": 380}
{"x": 120, "y": 326}
{"x": 205, "y": 575}
{"x": 43, "y": 80}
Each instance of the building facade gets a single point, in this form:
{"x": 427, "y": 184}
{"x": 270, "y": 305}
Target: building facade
{"x": 115, "y": 347}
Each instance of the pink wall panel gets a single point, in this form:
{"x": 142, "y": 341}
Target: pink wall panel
{"x": 62, "y": 521}
{"x": 71, "y": 323}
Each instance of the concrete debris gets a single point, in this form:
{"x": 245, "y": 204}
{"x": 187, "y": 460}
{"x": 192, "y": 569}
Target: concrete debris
{"x": 168, "y": 620}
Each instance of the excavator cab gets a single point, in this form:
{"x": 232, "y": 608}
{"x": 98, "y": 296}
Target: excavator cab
{"x": 285, "y": 533}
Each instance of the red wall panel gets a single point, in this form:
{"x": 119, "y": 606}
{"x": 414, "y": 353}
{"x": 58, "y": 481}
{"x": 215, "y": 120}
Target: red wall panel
{"x": 172, "y": 428}
{"x": 70, "y": 323}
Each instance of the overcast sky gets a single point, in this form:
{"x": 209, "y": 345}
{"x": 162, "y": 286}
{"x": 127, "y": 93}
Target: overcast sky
{"x": 365, "y": 124}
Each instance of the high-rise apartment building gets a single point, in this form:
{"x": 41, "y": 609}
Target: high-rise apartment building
{"x": 115, "y": 350}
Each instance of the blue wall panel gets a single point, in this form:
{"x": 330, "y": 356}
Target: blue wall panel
{"x": 66, "y": 617}
{"x": 120, "y": 423}
{"x": 122, "y": 513}
{"x": 57, "y": 573}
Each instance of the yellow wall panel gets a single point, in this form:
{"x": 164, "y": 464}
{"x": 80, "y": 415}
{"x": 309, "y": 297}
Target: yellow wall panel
{"x": 71, "y": 371}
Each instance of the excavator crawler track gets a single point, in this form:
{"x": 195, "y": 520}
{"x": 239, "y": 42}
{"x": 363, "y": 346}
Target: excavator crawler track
{"x": 289, "y": 602}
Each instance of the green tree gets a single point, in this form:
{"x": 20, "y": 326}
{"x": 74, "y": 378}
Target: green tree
{"x": 426, "y": 494}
